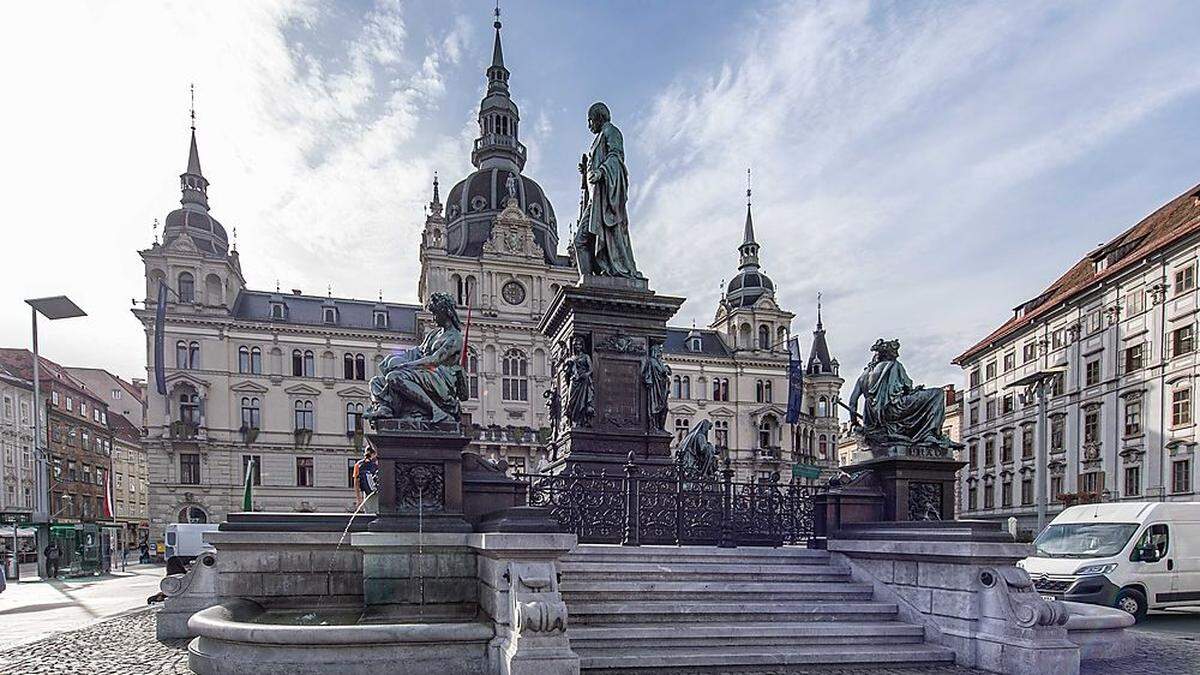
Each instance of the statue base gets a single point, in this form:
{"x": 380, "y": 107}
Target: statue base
{"x": 620, "y": 320}
{"x": 912, "y": 487}
{"x": 420, "y": 476}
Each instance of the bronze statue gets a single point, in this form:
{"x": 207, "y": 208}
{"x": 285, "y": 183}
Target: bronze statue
{"x": 426, "y": 383}
{"x": 656, "y": 377}
{"x": 696, "y": 456}
{"x": 581, "y": 395}
{"x": 896, "y": 413}
{"x": 602, "y": 245}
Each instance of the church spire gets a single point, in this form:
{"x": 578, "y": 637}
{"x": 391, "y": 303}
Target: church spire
{"x": 749, "y": 247}
{"x": 435, "y": 204}
{"x": 498, "y": 144}
{"x": 192, "y": 182}
{"x": 819, "y": 360}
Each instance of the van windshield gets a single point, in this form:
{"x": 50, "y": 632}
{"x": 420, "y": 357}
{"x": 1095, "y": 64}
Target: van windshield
{"x": 1084, "y": 540}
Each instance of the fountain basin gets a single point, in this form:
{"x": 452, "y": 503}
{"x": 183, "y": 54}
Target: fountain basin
{"x": 241, "y": 637}
{"x": 1100, "y": 632}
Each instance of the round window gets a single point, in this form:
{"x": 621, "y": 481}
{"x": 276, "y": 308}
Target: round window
{"x": 513, "y": 292}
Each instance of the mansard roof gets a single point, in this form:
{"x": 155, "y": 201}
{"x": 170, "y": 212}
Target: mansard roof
{"x": 711, "y": 343}
{"x": 1173, "y": 221}
{"x": 307, "y": 310}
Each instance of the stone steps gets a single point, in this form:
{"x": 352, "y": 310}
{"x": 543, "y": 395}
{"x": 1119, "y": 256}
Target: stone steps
{"x": 698, "y": 554}
{"x": 750, "y": 591}
{"x": 741, "y": 634}
{"x": 733, "y": 658}
{"x": 690, "y": 610}
{"x": 601, "y": 570}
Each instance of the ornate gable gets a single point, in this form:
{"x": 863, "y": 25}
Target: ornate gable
{"x": 512, "y": 234}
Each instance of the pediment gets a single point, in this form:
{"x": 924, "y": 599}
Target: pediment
{"x": 180, "y": 376}
{"x": 768, "y": 409}
{"x": 354, "y": 392}
{"x": 722, "y": 411}
{"x": 249, "y": 387}
{"x": 682, "y": 410}
{"x": 302, "y": 390}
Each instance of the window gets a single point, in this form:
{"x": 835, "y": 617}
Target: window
{"x": 87, "y": 474}
{"x": 822, "y": 407}
{"x": 187, "y": 287}
{"x": 515, "y": 383}
{"x": 760, "y": 392}
{"x": 189, "y": 468}
{"x": 1091, "y": 373}
{"x": 1094, "y": 322}
{"x": 767, "y": 390}
{"x": 1006, "y": 493}
{"x": 1006, "y": 448}
{"x": 990, "y": 409}
{"x": 989, "y": 496}
{"x": 973, "y": 455}
{"x": 721, "y": 435}
{"x": 972, "y": 498}
{"x": 1010, "y": 361}
{"x": 823, "y": 447}
{"x": 303, "y": 364}
{"x": 694, "y": 344}
{"x": 1181, "y": 407}
{"x": 764, "y": 337}
{"x": 1181, "y": 476}
{"x": 765, "y": 435}
{"x": 1056, "y": 488}
{"x": 685, "y": 387}
{"x": 304, "y": 415}
{"x": 1026, "y": 491}
{"x": 1092, "y": 481}
{"x": 189, "y": 408}
{"x": 1091, "y": 426}
{"x": 329, "y": 314}
{"x": 472, "y": 373}
{"x": 354, "y": 418}
{"x": 1008, "y": 404}
{"x": 350, "y": 463}
{"x": 256, "y": 472}
{"x": 720, "y": 389}
{"x": 989, "y": 452}
{"x": 1027, "y": 441}
{"x": 243, "y": 359}
{"x": 1135, "y": 303}
{"x": 348, "y": 366}
{"x": 54, "y": 398}
{"x": 1133, "y": 481}
{"x": 1185, "y": 279}
{"x": 676, "y": 386}
{"x": 1133, "y": 417}
{"x": 681, "y": 428}
{"x": 277, "y": 311}
{"x": 251, "y": 413}
{"x": 304, "y": 472}
{"x": 974, "y": 417}
{"x": 1057, "y": 339}
{"x": 83, "y": 409}
{"x": 380, "y": 319}
{"x": 1134, "y": 358}
{"x": 974, "y": 378}
{"x": 990, "y": 370}
{"x": 1183, "y": 340}
{"x": 1029, "y": 352}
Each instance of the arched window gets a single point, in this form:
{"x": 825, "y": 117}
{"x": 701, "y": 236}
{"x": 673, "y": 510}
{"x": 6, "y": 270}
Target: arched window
{"x": 181, "y": 354}
{"x": 471, "y": 291}
{"x": 187, "y": 287}
{"x": 251, "y": 413}
{"x": 822, "y": 407}
{"x": 687, "y": 387}
{"x": 721, "y": 436}
{"x": 360, "y": 367}
{"x": 460, "y": 290}
{"x": 256, "y": 360}
{"x": 694, "y": 344}
{"x": 764, "y": 337}
{"x": 781, "y": 335}
{"x": 214, "y": 294}
{"x": 310, "y": 364}
{"x": 348, "y": 366}
{"x": 681, "y": 428}
{"x": 304, "y": 415}
{"x": 192, "y": 514}
{"x": 676, "y": 387}
{"x": 515, "y": 384}
{"x": 760, "y": 392}
{"x": 297, "y": 363}
{"x": 822, "y": 447}
{"x": 243, "y": 359}
{"x": 472, "y": 373}
{"x": 194, "y": 355}
{"x": 189, "y": 408}
{"x": 766, "y": 433}
{"x": 354, "y": 421}
{"x": 744, "y": 337}
{"x": 767, "y": 392}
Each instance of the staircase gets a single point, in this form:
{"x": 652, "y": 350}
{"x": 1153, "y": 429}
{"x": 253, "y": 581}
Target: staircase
{"x": 696, "y": 609}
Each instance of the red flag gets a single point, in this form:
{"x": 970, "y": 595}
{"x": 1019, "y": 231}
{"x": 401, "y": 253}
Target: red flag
{"x": 466, "y": 334}
{"x": 108, "y": 495}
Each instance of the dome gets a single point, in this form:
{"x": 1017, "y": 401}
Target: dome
{"x": 747, "y": 287}
{"x": 208, "y": 234}
{"x": 474, "y": 202}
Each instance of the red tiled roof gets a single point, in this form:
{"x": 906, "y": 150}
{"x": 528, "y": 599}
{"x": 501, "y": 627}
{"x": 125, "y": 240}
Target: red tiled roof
{"x": 123, "y": 427}
{"x": 20, "y": 363}
{"x": 1172, "y": 222}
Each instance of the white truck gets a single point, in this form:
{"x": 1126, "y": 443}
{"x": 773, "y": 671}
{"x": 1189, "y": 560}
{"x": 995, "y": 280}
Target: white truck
{"x": 1135, "y": 556}
{"x": 183, "y": 542}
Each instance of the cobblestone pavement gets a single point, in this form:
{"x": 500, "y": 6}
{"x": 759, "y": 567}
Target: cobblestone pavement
{"x": 125, "y": 645}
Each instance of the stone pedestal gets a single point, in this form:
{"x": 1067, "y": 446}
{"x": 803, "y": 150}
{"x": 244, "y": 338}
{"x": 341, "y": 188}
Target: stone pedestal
{"x": 420, "y": 477}
{"x": 619, "y": 321}
{"x": 913, "y": 488}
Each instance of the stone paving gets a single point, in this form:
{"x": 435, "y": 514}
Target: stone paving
{"x": 125, "y": 645}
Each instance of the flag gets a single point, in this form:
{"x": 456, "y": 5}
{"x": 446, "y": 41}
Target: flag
{"x": 795, "y": 381}
{"x": 160, "y": 319}
{"x": 108, "y": 495}
{"x": 247, "y": 501}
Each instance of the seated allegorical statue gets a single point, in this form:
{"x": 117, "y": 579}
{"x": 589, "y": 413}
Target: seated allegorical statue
{"x": 897, "y": 414}
{"x": 427, "y": 383}
{"x": 696, "y": 456}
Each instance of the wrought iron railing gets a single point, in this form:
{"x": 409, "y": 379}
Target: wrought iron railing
{"x": 641, "y": 504}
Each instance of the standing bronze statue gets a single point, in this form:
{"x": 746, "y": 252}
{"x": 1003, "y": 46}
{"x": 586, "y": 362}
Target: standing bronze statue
{"x": 696, "y": 456}
{"x": 656, "y": 378}
{"x": 427, "y": 383}
{"x": 602, "y": 245}
{"x": 898, "y": 418}
{"x": 581, "y": 394}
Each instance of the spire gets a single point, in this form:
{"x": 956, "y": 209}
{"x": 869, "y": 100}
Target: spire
{"x": 192, "y": 182}
{"x": 819, "y": 361}
{"x": 498, "y": 144}
{"x": 749, "y": 247}
{"x": 749, "y": 235}
{"x": 497, "y": 50}
{"x": 819, "y": 326}
{"x": 435, "y": 204}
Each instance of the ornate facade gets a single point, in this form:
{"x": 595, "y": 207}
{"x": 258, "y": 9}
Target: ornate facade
{"x": 1117, "y": 335}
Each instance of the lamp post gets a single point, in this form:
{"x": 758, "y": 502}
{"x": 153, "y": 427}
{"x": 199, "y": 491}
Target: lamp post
{"x": 56, "y": 307}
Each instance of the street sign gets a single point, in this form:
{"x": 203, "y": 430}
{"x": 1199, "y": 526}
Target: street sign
{"x": 805, "y": 471}
{"x": 15, "y": 517}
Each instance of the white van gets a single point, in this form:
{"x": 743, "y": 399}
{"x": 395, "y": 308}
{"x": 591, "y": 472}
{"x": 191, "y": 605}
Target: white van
{"x": 184, "y": 541}
{"x": 1135, "y": 556}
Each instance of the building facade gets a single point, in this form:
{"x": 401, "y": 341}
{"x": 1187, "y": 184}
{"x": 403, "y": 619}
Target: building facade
{"x": 1116, "y": 337}
{"x": 17, "y": 478}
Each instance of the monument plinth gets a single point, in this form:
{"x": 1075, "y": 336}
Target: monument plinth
{"x": 420, "y": 476}
{"x": 604, "y": 333}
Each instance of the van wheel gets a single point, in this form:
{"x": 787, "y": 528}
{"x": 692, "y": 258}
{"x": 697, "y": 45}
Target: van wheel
{"x": 1131, "y": 600}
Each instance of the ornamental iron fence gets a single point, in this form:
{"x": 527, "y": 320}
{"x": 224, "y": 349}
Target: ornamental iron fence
{"x": 665, "y": 505}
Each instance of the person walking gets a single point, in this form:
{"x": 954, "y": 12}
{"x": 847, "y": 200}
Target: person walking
{"x": 366, "y": 474}
{"x": 52, "y": 554}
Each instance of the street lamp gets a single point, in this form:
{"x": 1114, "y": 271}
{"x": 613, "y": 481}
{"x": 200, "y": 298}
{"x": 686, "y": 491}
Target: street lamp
{"x": 1039, "y": 381}
{"x": 56, "y": 307}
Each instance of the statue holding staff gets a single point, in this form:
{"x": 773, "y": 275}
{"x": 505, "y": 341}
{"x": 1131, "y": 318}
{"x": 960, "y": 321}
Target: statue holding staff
{"x": 602, "y": 244}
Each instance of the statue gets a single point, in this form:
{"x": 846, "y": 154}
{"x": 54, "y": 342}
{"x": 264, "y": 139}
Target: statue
{"x": 602, "y": 245}
{"x": 426, "y": 383}
{"x": 696, "y": 456}
{"x": 896, "y": 413}
{"x": 656, "y": 377}
{"x": 581, "y": 396}
{"x": 511, "y": 185}
{"x": 553, "y": 408}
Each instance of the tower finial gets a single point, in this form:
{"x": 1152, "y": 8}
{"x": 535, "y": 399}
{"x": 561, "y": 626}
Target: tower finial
{"x": 819, "y": 327}
{"x": 235, "y": 238}
{"x": 497, "y": 13}
{"x": 192, "y": 90}
{"x": 154, "y": 229}
{"x": 276, "y": 284}
{"x": 381, "y": 295}
{"x": 747, "y": 187}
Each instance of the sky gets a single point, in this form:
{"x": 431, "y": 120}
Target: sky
{"x": 926, "y": 166}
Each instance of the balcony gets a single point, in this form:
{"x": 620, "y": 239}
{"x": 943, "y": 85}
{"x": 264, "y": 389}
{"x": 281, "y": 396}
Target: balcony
{"x": 185, "y": 430}
{"x": 769, "y": 454}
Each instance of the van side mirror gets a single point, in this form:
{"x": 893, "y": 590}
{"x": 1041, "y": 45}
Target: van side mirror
{"x": 1147, "y": 554}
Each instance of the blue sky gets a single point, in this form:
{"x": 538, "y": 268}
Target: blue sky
{"x": 928, "y": 166}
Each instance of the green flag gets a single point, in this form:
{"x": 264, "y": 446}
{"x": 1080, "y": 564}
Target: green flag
{"x": 247, "y": 502}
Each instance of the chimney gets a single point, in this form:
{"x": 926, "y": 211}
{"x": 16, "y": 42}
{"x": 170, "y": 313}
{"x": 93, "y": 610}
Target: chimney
{"x": 296, "y": 291}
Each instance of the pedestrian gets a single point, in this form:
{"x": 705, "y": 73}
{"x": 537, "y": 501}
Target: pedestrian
{"x": 366, "y": 474}
{"x": 3, "y": 582}
{"x": 52, "y": 553}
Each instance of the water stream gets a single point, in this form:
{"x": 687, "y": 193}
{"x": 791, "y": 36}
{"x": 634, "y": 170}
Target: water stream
{"x": 421, "y": 551}
{"x": 342, "y": 540}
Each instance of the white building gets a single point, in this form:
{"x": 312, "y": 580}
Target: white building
{"x": 1122, "y": 323}
{"x": 17, "y": 482}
